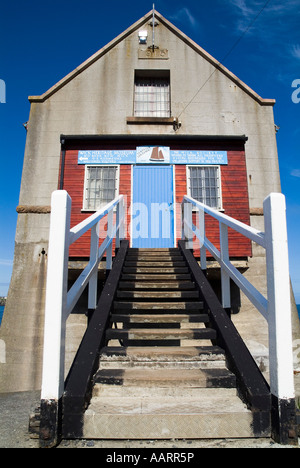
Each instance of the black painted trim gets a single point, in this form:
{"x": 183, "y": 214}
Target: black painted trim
{"x": 78, "y": 388}
{"x": 50, "y": 432}
{"x": 284, "y": 421}
{"x": 156, "y": 137}
{"x": 251, "y": 384}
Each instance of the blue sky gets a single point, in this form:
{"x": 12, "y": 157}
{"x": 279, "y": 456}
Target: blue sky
{"x": 41, "y": 42}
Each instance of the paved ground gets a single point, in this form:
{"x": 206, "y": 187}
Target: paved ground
{"x": 14, "y": 417}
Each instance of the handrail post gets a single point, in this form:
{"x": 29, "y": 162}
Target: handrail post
{"x": 94, "y": 252}
{"x": 55, "y": 323}
{"x": 201, "y": 228}
{"x": 187, "y": 233}
{"x": 279, "y": 319}
{"x": 225, "y": 279}
{"x": 118, "y": 218}
{"x": 120, "y": 221}
{"x": 182, "y": 220}
{"x": 110, "y": 222}
{"x": 122, "y": 214}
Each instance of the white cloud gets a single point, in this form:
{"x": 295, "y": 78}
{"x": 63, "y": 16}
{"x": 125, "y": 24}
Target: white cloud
{"x": 271, "y": 20}
{"x": 241, "y": 5}
{"x": 295, "y": 173}
{"x": 183, "y": 15}
{"x": 296, "y": 51}
{"x": 4, "y": 262}
{"x": 246, "y": 13}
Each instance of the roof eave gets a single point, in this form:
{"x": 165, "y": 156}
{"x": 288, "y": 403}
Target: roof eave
{"x": 90, "y": 60}
{"x": 175, "y": 30}
{"x": 218, "y": 65}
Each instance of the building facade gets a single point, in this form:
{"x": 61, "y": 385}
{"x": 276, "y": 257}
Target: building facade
{"x": 154, "y": 117}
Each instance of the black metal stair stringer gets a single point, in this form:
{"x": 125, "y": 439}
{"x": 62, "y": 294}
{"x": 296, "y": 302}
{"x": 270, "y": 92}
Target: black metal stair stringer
{"x": 251, "y": 384}
{"x": 79, "y": 383}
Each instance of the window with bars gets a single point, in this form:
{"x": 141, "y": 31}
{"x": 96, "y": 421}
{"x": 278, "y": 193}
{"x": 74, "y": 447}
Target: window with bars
{"x": 101, "y": 186}
{"x": 152, "y": 96}
{"x": 204, "y": 185}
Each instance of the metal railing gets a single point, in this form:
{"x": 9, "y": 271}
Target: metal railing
{"x": 60, "y": 302}
{"x": 276, "y": 307}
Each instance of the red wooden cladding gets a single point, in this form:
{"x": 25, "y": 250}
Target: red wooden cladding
{"x": 234, "y": 200}
{"x": 74, "y": 185}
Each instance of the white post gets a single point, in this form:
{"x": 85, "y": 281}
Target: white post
{"x": 187, "y": 223}
{"x": 56, "y": 296}
{"x": 201, "y": 228}
{"x": 279, "y": 316}
{"x": 122, "y": 214}
{"x": 225, "y": 279}
{"x": 110, "y": 221}
{"x": 118, "y": 217}
{"x": 279, "y": 300}
{"x": 55, "y": 322}
{"x": 94, "y": 251}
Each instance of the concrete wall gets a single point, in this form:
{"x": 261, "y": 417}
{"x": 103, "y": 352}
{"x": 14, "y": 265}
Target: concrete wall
{"x": 96, "y": 99}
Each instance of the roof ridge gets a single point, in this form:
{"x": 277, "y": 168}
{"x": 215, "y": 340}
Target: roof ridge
{"x": 97, "y": 55}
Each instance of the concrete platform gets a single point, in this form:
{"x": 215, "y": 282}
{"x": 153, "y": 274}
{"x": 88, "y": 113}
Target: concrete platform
{"x": 15, "y": 409}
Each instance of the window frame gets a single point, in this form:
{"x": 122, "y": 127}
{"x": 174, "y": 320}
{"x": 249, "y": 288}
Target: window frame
{"x": 219, "y": 194}
{"x": 117, "y": 184}
{"x": 152, "y": 75}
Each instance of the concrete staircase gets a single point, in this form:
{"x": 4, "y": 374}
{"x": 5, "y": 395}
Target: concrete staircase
{"x": 161, "y": 375}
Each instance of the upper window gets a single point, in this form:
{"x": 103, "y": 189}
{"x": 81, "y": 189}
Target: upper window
{"x": 204, "y": 185}
{"x": 101, "y": 186}
{"x": 152, "y": 94}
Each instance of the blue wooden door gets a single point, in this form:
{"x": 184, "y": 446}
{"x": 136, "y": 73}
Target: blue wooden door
{"x": 152, "y": 207}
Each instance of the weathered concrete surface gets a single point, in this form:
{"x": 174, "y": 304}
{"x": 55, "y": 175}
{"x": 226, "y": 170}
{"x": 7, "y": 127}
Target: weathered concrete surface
{"x": 249, "y": 322}
{"x": 96, "y": 100}
{"x": 15, "y": 409}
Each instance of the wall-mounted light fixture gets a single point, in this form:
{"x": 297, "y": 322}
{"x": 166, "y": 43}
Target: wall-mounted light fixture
{"x": 143, "y": 35}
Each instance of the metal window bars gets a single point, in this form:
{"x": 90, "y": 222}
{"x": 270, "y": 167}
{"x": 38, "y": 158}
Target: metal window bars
{"x": 152, "y": 97}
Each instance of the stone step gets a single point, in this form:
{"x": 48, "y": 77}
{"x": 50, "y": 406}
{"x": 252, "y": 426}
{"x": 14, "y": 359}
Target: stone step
{"x": 162, "y": 263}
{"x": 155, "y": 270}
{"x": 180, "y": 426}
{"x": 161, "y": 334}
{"x": 143, "y": 377}
{"x": 119, "y": 391}
{"x": 213, "y": 417}
{"x": 162, "y": 357}
{"x": 170, "y": 285}
{"x": 178, "y": 405}
{"x": 155, "y": 277}
{"x": 160, "y": 318}
{"x": 158, "y": 294}
{"x": 144, "y": 353}
{"x": 154, "y": 258}
{"x": 175, "y": 365}
{"x": 119, "y": 305}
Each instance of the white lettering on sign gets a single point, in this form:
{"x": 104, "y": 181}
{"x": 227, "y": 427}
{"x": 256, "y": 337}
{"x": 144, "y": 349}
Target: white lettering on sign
{"x": 296, "y": 93}
{"x": 153, "y": 155}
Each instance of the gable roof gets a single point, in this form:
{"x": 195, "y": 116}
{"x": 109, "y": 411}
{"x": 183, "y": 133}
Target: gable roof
{"x": 178, "y": 33}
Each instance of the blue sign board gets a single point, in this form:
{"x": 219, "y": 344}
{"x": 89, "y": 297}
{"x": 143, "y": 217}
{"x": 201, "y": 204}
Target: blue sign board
{"x": 198, "y": 157}
{"x": 107, "y": 157}
{"x": 153, "y": 155}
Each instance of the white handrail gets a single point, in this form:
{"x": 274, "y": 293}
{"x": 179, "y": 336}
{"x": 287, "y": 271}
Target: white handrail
{"x": 276, "y": 308}
{"x": 59, "y": 302}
